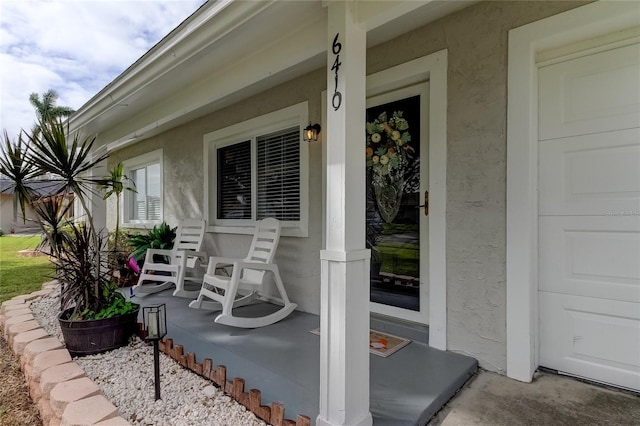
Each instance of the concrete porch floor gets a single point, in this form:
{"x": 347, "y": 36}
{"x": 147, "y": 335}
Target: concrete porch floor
{"x": 282, "y": 360}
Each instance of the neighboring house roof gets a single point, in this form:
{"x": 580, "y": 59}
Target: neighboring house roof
{"x": 44, "y": 187}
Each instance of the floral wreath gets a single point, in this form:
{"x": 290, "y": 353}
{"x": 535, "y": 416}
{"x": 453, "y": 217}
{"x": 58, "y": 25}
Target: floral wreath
{"x": 388, "y": 150}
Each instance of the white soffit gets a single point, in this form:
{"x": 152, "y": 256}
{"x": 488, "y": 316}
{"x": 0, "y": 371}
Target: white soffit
{"x": 386, "y": 20}
{"x": 227, "y": 51}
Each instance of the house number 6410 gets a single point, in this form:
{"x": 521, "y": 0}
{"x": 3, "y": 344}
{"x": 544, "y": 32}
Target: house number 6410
{"x": 336, "y": 101}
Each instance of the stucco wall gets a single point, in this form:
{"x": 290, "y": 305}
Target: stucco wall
{"x": 477, "y": 41}
{"x": 298, "y": 258}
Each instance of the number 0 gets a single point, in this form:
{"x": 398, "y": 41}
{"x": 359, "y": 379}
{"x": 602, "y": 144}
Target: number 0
{"x": 336, "y": 101}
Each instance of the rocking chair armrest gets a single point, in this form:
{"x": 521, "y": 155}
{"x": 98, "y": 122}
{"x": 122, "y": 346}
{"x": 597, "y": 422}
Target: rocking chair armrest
{"x": 258, "y": 266}
{"x": 199, "y": 254}
{"x": 162, "y": 252}
{"x": 217, "y": 262}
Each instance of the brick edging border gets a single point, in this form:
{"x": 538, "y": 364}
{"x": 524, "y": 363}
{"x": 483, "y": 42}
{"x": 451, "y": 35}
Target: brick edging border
{"x": 251, "y": 400}
{"x": 57, "y": 385}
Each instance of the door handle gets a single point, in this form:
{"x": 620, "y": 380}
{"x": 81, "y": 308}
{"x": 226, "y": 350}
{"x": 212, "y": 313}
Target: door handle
{"x": 426, "y": 204}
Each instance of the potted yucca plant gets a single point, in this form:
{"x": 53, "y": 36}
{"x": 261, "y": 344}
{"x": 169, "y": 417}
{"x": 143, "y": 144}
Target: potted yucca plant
{"x": 94, "y": 316}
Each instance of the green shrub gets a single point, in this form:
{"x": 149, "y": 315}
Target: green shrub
{"x": 160, "y": 237}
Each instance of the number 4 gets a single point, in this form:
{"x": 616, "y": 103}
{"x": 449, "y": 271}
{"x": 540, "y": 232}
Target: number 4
{"x": 336, "y": 64}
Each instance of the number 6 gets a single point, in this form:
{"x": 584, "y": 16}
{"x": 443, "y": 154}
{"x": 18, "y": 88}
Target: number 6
{"x": 337, "y": 47}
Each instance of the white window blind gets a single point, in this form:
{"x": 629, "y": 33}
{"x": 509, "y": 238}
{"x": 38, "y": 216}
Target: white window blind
{"x": 260, "y": 177}
{"x": 234, "y": 181}
{"x": 278, "y": 175}
{"x": 139, "y": 205}
{"x": 145, "y": 203}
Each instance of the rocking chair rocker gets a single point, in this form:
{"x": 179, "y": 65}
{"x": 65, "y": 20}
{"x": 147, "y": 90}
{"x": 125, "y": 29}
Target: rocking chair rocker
{"x": 170, "y": 267}
{"x": 241, "y": 288}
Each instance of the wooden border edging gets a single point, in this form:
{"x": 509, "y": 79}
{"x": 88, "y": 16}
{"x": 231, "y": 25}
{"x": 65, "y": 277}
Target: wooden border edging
{"x": 252, "y": 400}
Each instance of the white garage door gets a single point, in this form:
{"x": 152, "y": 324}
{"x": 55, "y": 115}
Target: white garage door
{"x": 589, "y": 216}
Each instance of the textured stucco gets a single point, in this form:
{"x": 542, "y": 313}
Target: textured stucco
{"x": 477, "y": 41}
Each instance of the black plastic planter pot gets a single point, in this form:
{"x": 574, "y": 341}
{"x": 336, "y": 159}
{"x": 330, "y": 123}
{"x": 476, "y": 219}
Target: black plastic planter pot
{"x": 87, "y": 337}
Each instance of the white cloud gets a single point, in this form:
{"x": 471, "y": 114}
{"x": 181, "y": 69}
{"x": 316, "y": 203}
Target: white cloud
{"x": 75, "y": 47}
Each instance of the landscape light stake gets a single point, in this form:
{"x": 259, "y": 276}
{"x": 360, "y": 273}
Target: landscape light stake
{"x": 154, "y": 319}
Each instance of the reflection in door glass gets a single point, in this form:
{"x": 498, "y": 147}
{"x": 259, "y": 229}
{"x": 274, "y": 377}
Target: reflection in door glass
{"x": 393, "y": 193}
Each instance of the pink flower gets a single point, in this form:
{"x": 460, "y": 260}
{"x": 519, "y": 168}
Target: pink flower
{"x": 133, "y": 265}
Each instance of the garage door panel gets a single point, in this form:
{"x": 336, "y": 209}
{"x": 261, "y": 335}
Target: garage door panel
{"x": 595, "y": 174}
{"x": 589, "y": 94}
{"x": 592, "y": 338}
{"x": 590, "y": 256}
{"x": 589, "y": 215}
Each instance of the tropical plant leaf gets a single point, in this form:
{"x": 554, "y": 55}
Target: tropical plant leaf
{"x": 81, "y": 276}
{"x": 67, "y": 160}
{"x": 161, "y": 236}
{"x": 52, "y": 211}
{"x": 15, "y": 165}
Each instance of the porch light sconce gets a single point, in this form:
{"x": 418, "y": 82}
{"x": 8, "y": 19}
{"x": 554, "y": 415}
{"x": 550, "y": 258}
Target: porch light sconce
{"x": 154, "y": 319}
{"x": 311, "y": 132}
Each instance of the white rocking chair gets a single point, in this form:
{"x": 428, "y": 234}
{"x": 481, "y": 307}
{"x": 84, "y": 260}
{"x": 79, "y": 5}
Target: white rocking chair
{"x": 183, "y": 258}
{"x": 241, "y": 288}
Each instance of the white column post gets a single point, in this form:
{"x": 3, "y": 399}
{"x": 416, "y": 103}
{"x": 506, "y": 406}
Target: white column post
{"x": 344, "y": 317}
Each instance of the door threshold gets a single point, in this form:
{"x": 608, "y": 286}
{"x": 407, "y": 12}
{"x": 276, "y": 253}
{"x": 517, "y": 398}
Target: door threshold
{"x": 402, "y": 328}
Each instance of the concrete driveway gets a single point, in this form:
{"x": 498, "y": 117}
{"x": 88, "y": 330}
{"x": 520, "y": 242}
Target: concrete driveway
{"x": 494, "y": 400}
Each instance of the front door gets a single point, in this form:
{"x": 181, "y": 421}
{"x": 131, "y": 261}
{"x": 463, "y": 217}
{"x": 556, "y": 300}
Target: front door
{"x": 397, "y": 202}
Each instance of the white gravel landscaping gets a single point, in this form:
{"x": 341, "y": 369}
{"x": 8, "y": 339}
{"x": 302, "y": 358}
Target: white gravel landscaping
{"x": 125, "y": 376}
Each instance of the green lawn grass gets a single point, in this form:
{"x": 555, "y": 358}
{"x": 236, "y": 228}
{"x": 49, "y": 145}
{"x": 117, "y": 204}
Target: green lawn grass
{"x": 18, "y": 274}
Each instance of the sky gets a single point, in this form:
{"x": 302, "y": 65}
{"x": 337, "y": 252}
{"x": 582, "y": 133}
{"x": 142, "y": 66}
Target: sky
{"x": 75, "y": 47}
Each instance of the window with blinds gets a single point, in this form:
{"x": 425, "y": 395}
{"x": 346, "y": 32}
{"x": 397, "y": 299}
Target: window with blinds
{"x": 260, "y": 177}
{"x": 234, "y": 181}
{"x": 146, "y": 202}
{"x": 278, "y": 175}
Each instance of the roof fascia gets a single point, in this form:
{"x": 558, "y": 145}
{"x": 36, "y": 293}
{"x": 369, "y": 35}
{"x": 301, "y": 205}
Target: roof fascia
{"x": 188, "y": 39}
{"x": 280, "y": 62}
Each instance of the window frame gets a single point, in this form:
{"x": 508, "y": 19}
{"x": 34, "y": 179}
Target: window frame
{"x": 295, "y": 115}
{"x": 145, "y": 160}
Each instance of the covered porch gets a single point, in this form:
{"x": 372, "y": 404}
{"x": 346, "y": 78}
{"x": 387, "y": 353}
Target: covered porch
{"x": 282, "y": 361}
{"x": 238, "y": 71}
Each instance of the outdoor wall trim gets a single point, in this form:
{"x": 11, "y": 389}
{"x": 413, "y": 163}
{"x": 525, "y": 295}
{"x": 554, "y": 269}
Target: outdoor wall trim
{"x": 293, "y": 115}
{"x": 431, "y": 68}
{"x": 593, "y": 20}
{"x": 129, "y": 165}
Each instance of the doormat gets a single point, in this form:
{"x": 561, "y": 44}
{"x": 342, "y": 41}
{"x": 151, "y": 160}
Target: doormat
{"x": 381, "y": 344}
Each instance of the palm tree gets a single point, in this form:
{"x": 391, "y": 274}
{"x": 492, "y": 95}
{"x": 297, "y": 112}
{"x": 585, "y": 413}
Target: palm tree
{"x": 46, "y": 109}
